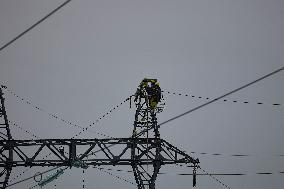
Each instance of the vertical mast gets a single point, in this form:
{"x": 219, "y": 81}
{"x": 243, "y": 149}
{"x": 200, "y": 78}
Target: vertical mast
{"x": 147, "y": 98}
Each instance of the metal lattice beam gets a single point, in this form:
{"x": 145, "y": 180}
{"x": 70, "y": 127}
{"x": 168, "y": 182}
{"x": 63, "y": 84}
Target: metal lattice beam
{"x": 92, "y": 152}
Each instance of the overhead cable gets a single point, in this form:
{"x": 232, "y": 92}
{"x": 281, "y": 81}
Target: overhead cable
{"x": 224, "y": 100}
{"x": 67, "y": 122}
{"x": 34, "y": 25}
{"x": 215, "y": 99}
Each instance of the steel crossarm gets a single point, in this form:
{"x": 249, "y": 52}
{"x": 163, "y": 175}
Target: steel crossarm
{"x": 96, "y": 152}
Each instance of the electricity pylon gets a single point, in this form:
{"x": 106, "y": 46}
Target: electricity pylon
{"x": 144, "y": 151}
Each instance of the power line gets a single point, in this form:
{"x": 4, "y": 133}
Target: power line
{"x": 110, "y": 111}
{"x": 103, "y": 170}
{"x": 214, "y": 100}
{"x": 225, "y": 100}
{"x": 26, "y": 131}
{"x": 213, "y": 176}
{"x": 219, "y": 181}
{"x": 165, "y": 173}
{"x": 29, "y": 169}
{"x": 72, "y": 137}
{"x": 47, "y": 172}
{"x": 54, "y": 116}
{"x": 55, "y": 168}
{"x": 83, "y": 180}
{"x": 203, "y": 174}
{"x": 34, "y": 25}
{"x": 67, "y": 122}
{"x": 204, "y": 153}
{"x": 33, "y": 135}
{"x": 183, "y": 174}
{"x": 234, "y": 155}
{"x": 23, "y": 180}
{"x": 222, "y": 96}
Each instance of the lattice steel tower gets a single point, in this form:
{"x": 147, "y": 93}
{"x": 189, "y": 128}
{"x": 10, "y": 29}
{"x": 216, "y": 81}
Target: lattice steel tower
{"x": 147, "y": 97}
{"x": 144, "y": 151}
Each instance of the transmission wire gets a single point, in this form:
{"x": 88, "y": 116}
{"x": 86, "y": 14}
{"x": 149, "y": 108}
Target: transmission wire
{"x": 72, "y": 137}
{"x": 231, "y": 92}
{"x": 83, "y": 184}
{"x": 225, "y": 100}
{"x": 218, "y": 180}
{"x": 64, "y": 120}
{"x": 24, "y": 130}
{"x": 163, "y": 173}
{"x": 33, "y": 135}
{"x": 54, "y": 116}
{"x": 33, "y": 26}
{"x": 103, "y": 170}
{"x": 207, "y": 103}
{"x": 214, "y": 100}
{"x": 50, "y": 114}
{"x": 46, "y": 172}
{"x": 23, "y": 180}
{"x": 110, "y": 111}
{"x": 201, "y": 174}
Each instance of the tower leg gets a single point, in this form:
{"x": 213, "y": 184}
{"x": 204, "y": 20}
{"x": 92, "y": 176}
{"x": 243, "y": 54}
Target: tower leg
{"x": 4, "y": 176}
{"x": 146, "y": 163}
{"x": 144, "y": 178}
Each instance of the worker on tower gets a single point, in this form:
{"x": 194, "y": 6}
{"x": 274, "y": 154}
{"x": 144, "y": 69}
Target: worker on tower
{"x": 155, "y": 95}
{"x": 150, "y": 90}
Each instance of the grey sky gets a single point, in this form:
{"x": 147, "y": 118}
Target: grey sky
{"x": 91, "y": 55}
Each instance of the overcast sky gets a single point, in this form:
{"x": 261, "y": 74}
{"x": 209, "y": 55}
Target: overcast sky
{"x": 92, "y": 54}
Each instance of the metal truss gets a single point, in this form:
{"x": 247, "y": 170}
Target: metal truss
{"x": 145, "y": 151}
{"x": 93, "y": 152}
